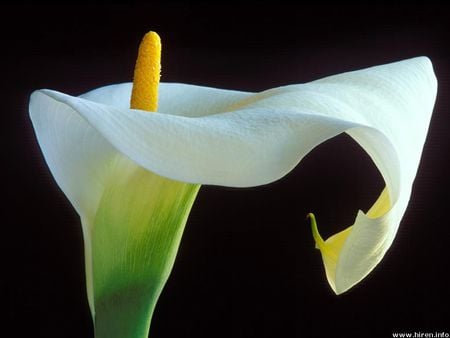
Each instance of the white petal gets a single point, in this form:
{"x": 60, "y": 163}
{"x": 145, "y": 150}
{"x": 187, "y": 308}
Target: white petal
{"x": 76, "y": 152}
{"x": 245, "y": 147}
{"x": 244, "y": 139}
{"x": 78, "y": 156}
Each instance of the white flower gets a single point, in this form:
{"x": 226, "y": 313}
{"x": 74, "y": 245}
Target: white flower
{"x": 220, "y": 137}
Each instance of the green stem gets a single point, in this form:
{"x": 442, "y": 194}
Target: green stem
{"x": 127, "y": 313}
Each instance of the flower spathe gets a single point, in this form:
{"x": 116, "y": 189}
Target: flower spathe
{"x": 210, "y": 136}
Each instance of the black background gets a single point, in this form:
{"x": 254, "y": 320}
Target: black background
{"x": 247, "y": 265}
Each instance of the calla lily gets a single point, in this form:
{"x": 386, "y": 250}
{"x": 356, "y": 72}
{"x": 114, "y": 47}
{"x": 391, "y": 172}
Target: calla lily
{"x": 122, "y": 169}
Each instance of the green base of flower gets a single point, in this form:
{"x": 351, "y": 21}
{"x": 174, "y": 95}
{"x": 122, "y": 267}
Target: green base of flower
{"x": 135, "y": 238}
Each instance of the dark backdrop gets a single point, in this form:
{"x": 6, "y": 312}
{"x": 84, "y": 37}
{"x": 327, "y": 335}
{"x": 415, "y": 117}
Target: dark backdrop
{"x": 247, "y": 265}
